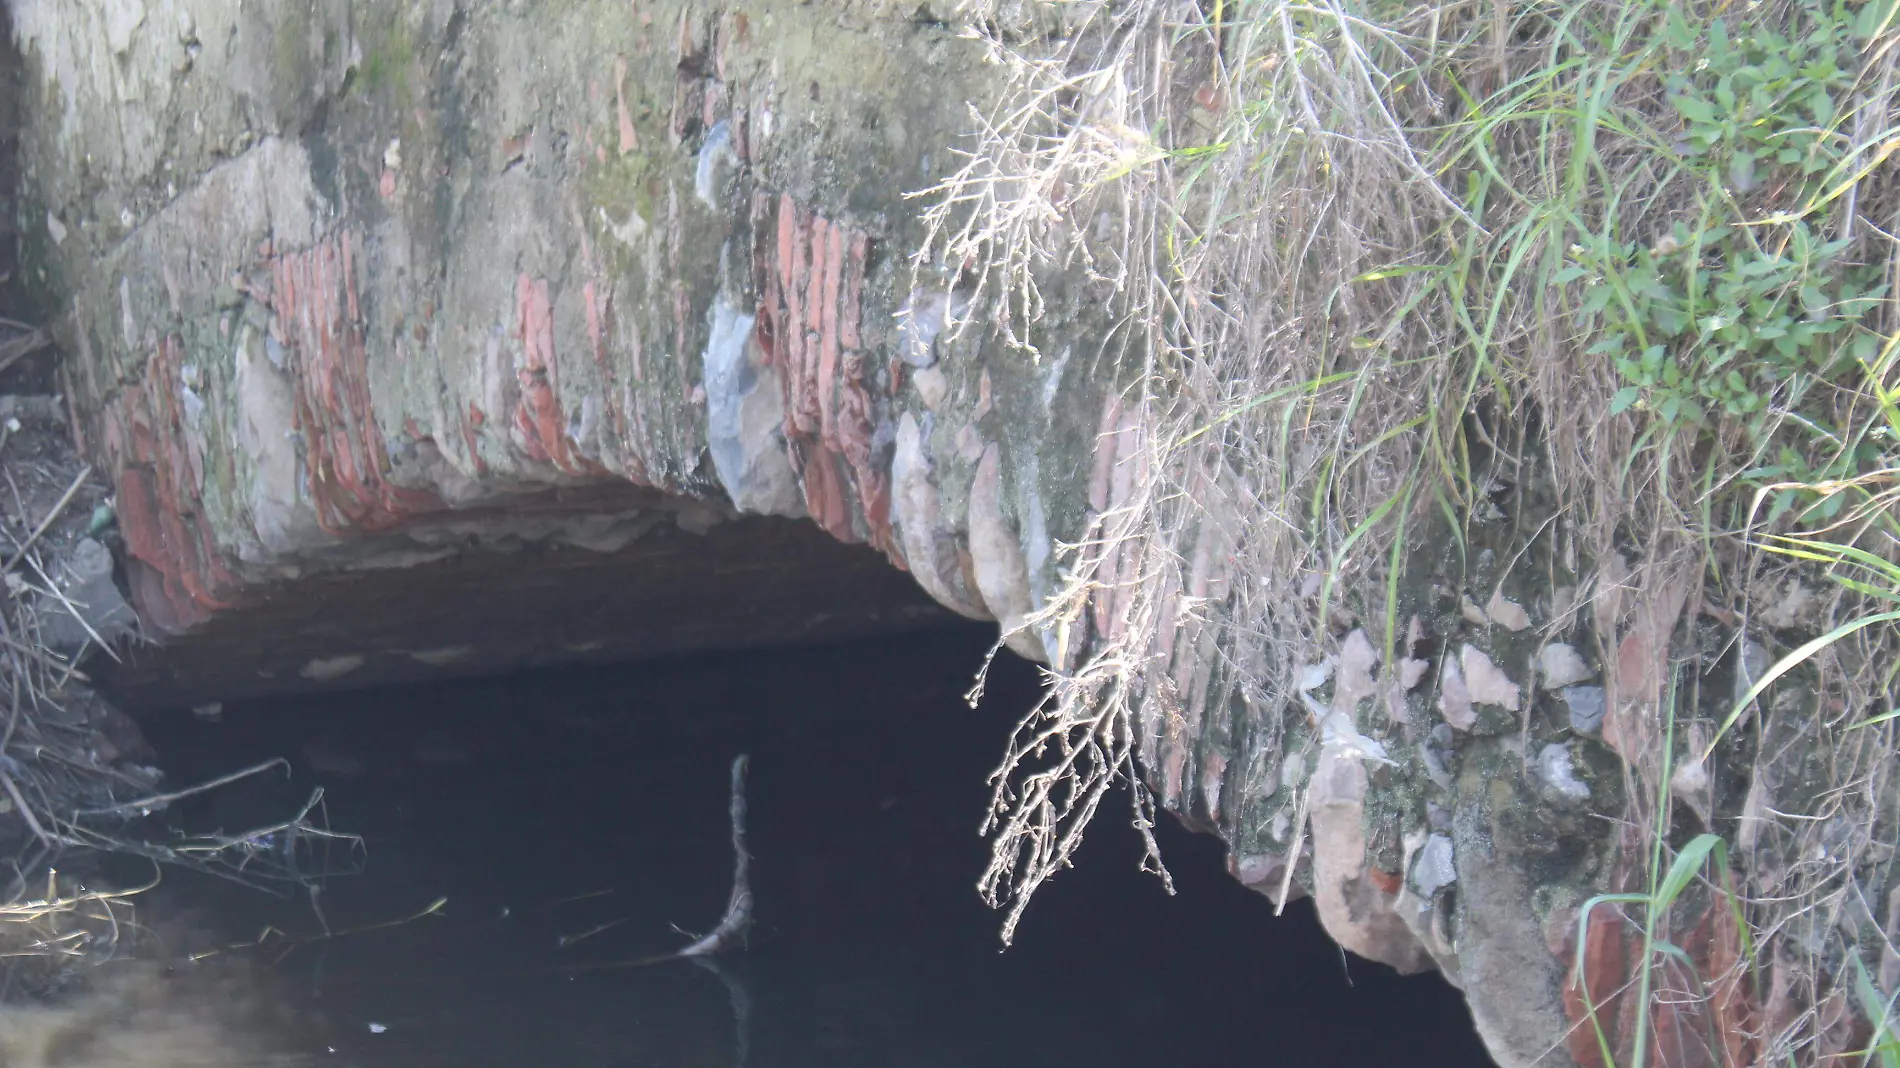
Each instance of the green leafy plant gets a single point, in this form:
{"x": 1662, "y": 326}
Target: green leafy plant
{"x": 1724, "y": 315}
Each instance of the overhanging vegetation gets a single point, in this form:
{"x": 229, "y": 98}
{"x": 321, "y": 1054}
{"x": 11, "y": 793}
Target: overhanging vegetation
{"x": 1375, "y": 260}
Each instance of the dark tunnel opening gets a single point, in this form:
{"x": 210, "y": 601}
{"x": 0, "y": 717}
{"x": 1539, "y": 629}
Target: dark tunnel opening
{"x": 573, "y": 820}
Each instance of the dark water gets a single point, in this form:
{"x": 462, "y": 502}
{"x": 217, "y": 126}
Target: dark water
{"x": 545, "y": 808}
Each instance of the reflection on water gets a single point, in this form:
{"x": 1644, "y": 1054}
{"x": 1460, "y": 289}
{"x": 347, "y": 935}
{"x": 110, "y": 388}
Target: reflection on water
{"x": 578, "y": 821}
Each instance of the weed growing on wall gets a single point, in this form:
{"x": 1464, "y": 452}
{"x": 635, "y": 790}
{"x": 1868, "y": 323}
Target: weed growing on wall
{"x": 1376, "y": 259}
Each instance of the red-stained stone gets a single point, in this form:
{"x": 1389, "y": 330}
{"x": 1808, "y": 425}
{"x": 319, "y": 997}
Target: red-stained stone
{"x": 689, "y": 83}
{"x": 828, "y": 328}
{"x": 179, "y": 578}
{"x": 855, "y": 426}
{"x": 473, "y": 420}
{"x": 811, "y": 327}
{"x": 824, "y": 493}
{"x": 1734, "y": 1003}
{"x": 818, "y": 231}
{"x": 531, "y": 372}
{"x": 177, "y": 574}
{"x": 1600, "y": 986}
{"x": 314, "y": 297}
{"x": 539, "y": 418}
{"x": 1387, "y": 882}
{"x": 600, "y": 326}
{"x": 1704, "y": 1009}
{"x": 765, "y": 332}
{"x": 809, "y": 272}
{"x": 787, "y": 231}
{"x": 852, "y": 425}
{"x": 687, "y": 93}
{"x": 151, "y": 567}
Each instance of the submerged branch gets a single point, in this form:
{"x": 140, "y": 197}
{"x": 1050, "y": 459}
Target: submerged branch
{"x": 738, "y": 915}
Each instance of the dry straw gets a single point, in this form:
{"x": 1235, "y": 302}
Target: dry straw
{"x": 76, "y": 783}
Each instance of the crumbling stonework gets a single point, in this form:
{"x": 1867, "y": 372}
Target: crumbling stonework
{"x": 371, "y": 278}
{"x": 351, "y": 288}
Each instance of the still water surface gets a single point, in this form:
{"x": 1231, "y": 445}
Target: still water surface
{"x": 573, "y": 821}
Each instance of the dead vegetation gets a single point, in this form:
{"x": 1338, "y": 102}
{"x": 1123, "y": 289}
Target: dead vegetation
{"x": 1378, "y": 263}
{"x": 77, "y": 780}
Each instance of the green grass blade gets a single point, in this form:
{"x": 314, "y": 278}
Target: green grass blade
{"x": 1793, "y": 660}
{"x": 1687, "y": 864}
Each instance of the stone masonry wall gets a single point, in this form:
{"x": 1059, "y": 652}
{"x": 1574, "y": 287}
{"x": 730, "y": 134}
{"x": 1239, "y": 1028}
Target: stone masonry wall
{"x": 350, "y": 286}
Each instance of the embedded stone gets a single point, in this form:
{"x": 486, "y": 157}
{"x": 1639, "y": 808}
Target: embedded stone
{"x": 1560, "y": 665}
{"x": 1586, "y": 708}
